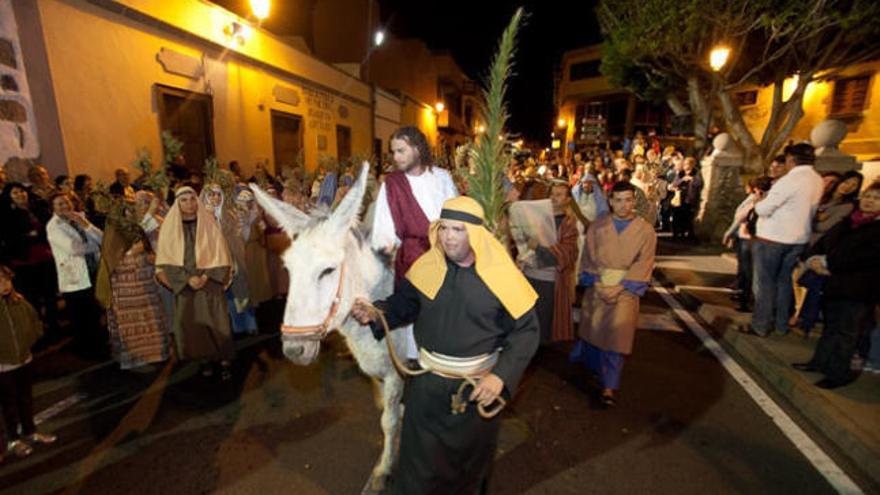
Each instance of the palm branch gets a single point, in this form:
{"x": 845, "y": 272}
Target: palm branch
{"x": 490, "y": 156}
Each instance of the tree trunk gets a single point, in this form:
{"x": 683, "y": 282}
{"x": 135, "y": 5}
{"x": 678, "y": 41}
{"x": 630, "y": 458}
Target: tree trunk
{"x": 701, "y": 111}
{"x": 741, "y": 134}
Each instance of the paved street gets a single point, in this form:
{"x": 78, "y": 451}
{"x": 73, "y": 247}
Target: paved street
{"x": 683, "y": 425}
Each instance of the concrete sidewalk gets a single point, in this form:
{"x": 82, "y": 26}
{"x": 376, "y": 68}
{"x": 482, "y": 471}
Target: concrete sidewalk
{"x": 849, "y": 416}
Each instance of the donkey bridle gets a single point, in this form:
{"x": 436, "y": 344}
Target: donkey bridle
{"x": 318, "y": 332}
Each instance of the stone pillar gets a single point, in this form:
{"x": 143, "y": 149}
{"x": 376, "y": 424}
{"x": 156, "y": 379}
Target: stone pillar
{"x": 18, "y": 134}
{"x": 826, "y": 137}
{"x": 722, "y": 188}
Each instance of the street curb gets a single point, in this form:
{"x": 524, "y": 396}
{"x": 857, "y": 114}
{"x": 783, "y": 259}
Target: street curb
{"x": 857, "y": 443}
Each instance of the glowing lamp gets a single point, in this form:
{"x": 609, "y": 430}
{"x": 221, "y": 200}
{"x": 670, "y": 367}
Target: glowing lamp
{"x": 260, "y": 8}
{"x": 718, "y": 57}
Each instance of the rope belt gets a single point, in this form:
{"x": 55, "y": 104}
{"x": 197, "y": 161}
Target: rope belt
{"x": 470, "y": 370}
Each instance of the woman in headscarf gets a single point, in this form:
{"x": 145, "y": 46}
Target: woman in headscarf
{"x": 148, "y": 208}
{"x": 240, "y": 311}
{"x": 195, "y": 264}
{"x": 253, "y": 229}
{"x": 127, "y": 288}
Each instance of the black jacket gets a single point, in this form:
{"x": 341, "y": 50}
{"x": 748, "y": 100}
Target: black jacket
{"x": 853, "y": 256}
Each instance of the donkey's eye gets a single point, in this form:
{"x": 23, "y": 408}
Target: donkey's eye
{"x": 325, "y": 272}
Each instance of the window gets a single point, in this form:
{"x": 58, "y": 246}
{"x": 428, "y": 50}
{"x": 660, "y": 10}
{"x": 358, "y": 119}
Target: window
{"x": 188, "y": 116}
{"x": 746, "y": 98}
{"x": 850, "y": 95}
{"x": 343, "y": 143}
{"x": 584, "y": 70}
{"x": 287, "y": 139}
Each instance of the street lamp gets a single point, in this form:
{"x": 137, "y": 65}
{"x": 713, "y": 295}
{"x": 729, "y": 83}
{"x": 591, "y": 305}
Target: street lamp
{"x": 718, "y": 57}
{"x": 439, "y": 106}
{"x": 560, "y": 123}
{"x": 260, "y": 8}
{"x": 379, "y": 38}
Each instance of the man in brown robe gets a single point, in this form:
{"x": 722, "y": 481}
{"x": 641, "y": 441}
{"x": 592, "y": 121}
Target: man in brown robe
{"x": 193, "y": 261}
{"x": 616, "y": 268}
{"x": 552, "y": 277}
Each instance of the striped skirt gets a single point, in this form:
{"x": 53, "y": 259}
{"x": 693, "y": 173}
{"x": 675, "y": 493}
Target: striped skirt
{"x": 137, "y": 325}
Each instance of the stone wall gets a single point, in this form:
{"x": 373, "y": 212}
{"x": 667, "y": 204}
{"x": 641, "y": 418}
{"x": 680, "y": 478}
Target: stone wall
{"x": 18, "y": 135}
{"x": 722, "y": 188}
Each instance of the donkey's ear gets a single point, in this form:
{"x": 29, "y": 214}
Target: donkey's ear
{"x": 289, "y": 217}
{"x": 346, "y": 214}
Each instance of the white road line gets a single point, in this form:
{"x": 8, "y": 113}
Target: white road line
{"x": 71, "y": 400}
{"x": 817, "y": 457}
{"x": 59, "y": 407}
{"x": 703, "y": 288}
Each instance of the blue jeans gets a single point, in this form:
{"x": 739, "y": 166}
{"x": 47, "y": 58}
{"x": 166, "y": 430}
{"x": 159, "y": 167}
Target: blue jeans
{"x": 772, "y": 285}
{"x": 744, "y": 268}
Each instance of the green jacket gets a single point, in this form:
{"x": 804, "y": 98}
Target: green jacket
{"x": 20, "y": 327}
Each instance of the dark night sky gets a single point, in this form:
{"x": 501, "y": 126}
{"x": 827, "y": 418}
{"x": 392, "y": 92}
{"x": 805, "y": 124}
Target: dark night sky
{"x": 471, "y": 29}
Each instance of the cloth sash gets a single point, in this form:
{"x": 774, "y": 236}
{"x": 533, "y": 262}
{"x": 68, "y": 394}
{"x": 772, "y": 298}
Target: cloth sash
{"x": 410, "y": 223}
{"x": 455, "y": 367}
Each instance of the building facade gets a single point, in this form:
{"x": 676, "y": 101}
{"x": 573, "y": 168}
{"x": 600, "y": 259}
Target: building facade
{"x": 593, "y": 111}
{"x": 111, "y": 75}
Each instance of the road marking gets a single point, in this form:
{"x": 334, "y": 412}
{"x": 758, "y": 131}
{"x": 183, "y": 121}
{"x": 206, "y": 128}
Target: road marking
{"x": 818, "y": 458}
{"x": 726, "y": 290}
{"x": 71, "y": 400}
{"x": 59, "y": 407}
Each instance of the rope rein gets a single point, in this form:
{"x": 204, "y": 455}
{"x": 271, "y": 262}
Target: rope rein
{"x": 458, "y": 402}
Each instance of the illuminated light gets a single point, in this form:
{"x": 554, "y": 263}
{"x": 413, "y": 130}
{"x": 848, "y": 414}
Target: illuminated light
{"x": 561, "y": 122}
{"x": 480, "y": 129}
{"x": 440, "y": 106}
{"x": 379, "y": 38}
{"x": 556, "y": 144}
{"x": 260, "y": 8}
{"x": 542, "y": 169}
{"x": 246, "y": 33}
{"x": 718, "y": 57}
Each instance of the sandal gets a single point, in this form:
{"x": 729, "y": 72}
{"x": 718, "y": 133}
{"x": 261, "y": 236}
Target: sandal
{"x": 43, "y": 438}
{"x": 20, "y": 448}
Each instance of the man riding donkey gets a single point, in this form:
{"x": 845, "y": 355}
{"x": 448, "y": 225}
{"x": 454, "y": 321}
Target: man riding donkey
{"x": 409, "y": 199}
{"x": 476, "y": 325}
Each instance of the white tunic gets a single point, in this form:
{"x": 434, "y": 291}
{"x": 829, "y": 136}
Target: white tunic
{"x": 431, "y": 189}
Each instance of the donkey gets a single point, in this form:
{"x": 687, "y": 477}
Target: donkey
{"x": 330, "y": 265}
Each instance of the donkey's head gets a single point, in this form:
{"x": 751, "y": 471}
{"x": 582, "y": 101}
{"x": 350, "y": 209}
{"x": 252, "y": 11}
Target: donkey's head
{"x": 322, "y": 262}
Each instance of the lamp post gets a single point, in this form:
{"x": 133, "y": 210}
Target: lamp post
{"x": 718, "y": 58}
{"x": 260, "y": 9}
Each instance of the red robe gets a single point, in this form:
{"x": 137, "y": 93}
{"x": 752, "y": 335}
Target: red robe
{"x": 410, "y": 223}
{"x": 566, "y": 253}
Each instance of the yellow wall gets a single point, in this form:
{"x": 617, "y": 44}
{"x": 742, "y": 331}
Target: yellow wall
{"x": 104, "y": 69}
{"x": 863, "y": 139}
{"x": 422, "y": 116}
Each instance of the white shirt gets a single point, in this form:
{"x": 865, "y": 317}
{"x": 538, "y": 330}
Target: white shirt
{"x": 431, "y": 189}
{"x": 69, "y": 252}
{"x": 786, "y": 214}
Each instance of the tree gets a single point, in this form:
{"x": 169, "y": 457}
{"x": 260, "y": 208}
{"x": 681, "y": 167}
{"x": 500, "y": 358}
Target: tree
{"x": 660, "y": 50}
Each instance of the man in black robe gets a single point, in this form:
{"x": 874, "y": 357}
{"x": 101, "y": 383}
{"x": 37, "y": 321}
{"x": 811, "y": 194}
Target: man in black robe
{"x": 474, "y": 314}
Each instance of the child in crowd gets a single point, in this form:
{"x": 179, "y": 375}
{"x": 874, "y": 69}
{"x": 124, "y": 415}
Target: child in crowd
{"x": 20, "y": 327}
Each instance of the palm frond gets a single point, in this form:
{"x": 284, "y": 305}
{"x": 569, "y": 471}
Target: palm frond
{"x": 490, "y": 155}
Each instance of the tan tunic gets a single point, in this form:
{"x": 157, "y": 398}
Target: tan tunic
{"x": 612, "y": 327}
{"x": 201, "y": 319}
